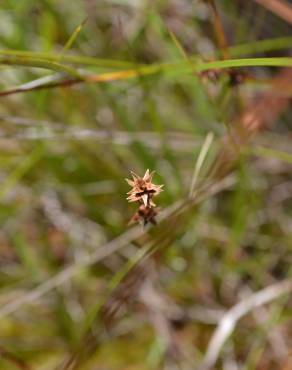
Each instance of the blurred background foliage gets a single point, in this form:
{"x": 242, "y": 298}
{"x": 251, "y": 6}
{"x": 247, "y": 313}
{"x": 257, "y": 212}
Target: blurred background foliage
{"x": 64, "y": 154}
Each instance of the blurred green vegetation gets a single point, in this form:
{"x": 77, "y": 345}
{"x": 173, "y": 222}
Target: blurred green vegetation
{"x": 66, "y": 150}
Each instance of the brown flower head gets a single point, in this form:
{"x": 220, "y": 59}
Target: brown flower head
{"x": 145, "y": 215}
{"x": 143, "y": 190}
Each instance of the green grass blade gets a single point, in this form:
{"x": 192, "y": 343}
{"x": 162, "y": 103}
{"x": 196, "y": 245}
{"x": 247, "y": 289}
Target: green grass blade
{"x": 38, "y": 63}
{"x": 20, "y": 171}
{"x": 272, "y": 154}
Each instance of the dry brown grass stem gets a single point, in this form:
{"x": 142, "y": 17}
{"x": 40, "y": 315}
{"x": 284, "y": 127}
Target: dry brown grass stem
{"x": 281, "y": 8}
{"x": 232, "y": 316}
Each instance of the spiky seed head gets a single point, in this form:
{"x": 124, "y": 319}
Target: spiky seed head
{"x": 143, "y": 190}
